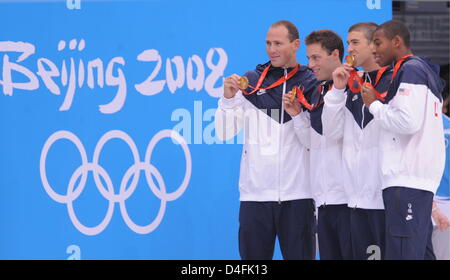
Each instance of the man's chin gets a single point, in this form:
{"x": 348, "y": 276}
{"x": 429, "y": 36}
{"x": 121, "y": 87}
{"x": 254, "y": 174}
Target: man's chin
{"x": 319, "y": 76}
{"x": 381, "y": 63}
{"x": 275, "y": 64}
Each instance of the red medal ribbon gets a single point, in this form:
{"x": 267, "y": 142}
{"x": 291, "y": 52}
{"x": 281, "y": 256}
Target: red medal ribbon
{"x": 398, "y": 64}
{"x": 378, "y": 95}
{"x": 380, "y": 74}
{"x": 354, "y": 79}
{"x": 277, "y": 83}
{"x": 302, "y": 99}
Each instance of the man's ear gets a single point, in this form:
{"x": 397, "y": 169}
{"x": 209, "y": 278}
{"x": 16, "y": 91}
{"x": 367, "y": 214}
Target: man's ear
{"x": 397, "y": 41}
{"x": 296, "y": 43}
{"x": 335, "y": 53}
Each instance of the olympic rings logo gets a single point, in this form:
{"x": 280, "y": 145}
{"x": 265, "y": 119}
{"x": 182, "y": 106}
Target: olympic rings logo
{"x": 108, "y": 193}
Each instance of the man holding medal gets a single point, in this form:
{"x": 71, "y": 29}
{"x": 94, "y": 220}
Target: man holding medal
{"x": 275, "y": 194}
{"x": 324, "y": 49}
{"x": 346, "y": 118}
{"x": 412, "y": 147}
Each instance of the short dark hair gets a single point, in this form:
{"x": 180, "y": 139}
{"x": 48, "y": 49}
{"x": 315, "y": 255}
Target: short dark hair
{"x": 291, "y": 28}
{"x": 368, "y": 28}
{"x": 393, "y": 28}
{"x": 328, "y": 39}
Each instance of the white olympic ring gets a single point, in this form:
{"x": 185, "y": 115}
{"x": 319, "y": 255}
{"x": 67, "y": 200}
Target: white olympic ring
{"x": 108, "y": 192}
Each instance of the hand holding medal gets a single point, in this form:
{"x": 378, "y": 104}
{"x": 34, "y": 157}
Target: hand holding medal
{"x": 341, "y": 76}
{"x": 350, "y": 60}
{"x": 292, "y": 94}
{"x": 243, "y": 83}
{"x": 368, "y": 94}
{"x": 231, "y": 86}
{"x": 354, "y": 81}
{"x": 296, "y": 96}
{"x": 368, "y": 91}
{"x": 291, "y": 104}
{"x": 356, "y": 84}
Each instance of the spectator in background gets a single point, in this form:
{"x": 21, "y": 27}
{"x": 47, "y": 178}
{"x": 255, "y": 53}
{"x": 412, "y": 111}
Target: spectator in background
{"x": 441, "y": 204}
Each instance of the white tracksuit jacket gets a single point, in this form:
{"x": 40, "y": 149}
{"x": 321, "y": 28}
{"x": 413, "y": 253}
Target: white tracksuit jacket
{"x": 274, "y": 164}
{"x": 412, "y": 139}
{"x": 327, "y": 184}
{"x": 400, "y": 144}
{"x": 346, "y": 118}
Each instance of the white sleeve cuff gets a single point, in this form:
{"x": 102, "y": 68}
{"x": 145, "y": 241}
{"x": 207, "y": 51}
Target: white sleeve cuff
{"x": 335, "y": 96}
{"x": 302, "y": 120}
{"x": 228, "y": 103}
{"x": 375, "y": 107}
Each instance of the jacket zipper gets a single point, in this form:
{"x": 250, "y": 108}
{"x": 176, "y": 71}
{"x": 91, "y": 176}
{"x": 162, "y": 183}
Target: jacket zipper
{"x": 280, "y": 142}
{"x": 366, "y": 74}
{"x": 323, "y": 141}
{"x": 361, "y": 136}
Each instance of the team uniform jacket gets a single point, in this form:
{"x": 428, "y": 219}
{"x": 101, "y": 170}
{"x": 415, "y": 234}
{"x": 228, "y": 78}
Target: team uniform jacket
{"x": 327, "y": 183}
{"x": 410, "y": 139}
{"x": 274, "y": 164}
{"x": 346, "y": 118}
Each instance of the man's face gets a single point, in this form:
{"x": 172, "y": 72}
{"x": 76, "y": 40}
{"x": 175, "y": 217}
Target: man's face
{"x": 358, "y": 46}
{"x": 322, "y": 63}
{"x": 281, "y": 51}
{"x": 382, "y": 48}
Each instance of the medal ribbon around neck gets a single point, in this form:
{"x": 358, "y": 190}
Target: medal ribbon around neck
{"x": 398, "y": 64}
{"x": 355, "y": 79}
{"x": 263, "y": 76}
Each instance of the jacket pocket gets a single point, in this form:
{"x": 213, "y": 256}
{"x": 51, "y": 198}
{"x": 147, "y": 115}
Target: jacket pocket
{"x": 400, "y": 245}
{"x": 391, "y": 155}
{"x": 400, "y": 230}
{"x": 244, "y": 170}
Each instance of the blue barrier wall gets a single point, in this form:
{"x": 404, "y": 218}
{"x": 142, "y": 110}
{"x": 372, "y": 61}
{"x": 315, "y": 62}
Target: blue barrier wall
{"x": 107, "y": 141}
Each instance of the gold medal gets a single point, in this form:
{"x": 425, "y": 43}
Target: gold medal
{"x": 292, "y": 95}
{"x": 243, "y": 83}
{"x": 351, "y": 60}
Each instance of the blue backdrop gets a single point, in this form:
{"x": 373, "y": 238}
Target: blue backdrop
{"x": 95, "y": 93}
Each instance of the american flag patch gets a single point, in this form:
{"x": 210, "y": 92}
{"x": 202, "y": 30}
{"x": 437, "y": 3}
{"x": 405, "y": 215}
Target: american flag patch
{"x": 403, "y": 91}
